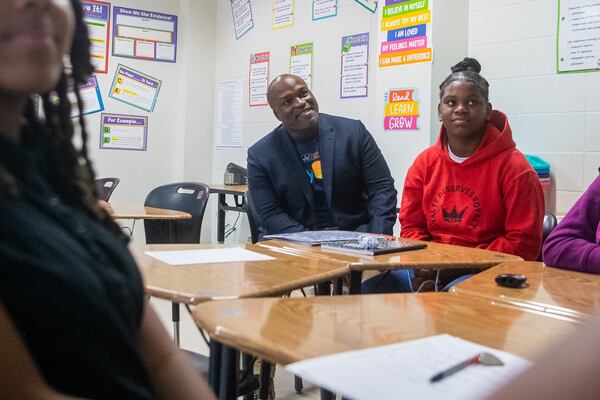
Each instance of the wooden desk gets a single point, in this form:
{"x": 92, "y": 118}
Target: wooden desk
{"x": 193, "y": 284}
{"x": 288, "y": 330}
{"x": 222, "y": 191}
{"x": 434, "y": 256}
{"x": 141, "y": 212}
{"x": 551, "y": 290}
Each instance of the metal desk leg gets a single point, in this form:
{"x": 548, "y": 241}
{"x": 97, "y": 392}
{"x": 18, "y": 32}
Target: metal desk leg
{"x": 230, "y": 365}
{"x": 173, "y": 236}
{"x": 355, "y": 282}
{"x": 327, "y": 395}
{"x": 214, "y": 365}
{"x": 221, "y": 219}
{"x": 324, "y": 289}
{"x": 298, "y": 384}
{"x": 265, "y": 380}
{"x": 338, "y": 287}
{"x": 175, "y": 319}
{"x": 248, "y": 368}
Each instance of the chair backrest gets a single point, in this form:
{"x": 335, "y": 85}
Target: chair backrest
{"x": 549, "y": 224}
{"x": 190, "y": 197}
{"x": 105, "y": 187}
{"x": 252, "y": 217}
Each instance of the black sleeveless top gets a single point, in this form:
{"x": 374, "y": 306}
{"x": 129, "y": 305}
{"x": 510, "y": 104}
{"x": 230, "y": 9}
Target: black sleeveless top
{"x": 70, "y": 287}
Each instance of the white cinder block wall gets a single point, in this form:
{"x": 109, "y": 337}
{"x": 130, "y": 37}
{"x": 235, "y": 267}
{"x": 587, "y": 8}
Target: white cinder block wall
{"x": 554, "y": 116}
{"x": 399, "y": 149}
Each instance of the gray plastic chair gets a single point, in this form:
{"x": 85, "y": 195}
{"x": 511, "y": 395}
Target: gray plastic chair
{"x": 189, "y": 197}
{"x": 105, "y": 187}
{"x": 253, "y": 220}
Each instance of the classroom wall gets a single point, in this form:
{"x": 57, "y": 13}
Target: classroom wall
{"x": 233, "y": 56}
{"x": 556, "y": 117}
{"x": 179, "y": 145}
{"x": 399, "y": 149}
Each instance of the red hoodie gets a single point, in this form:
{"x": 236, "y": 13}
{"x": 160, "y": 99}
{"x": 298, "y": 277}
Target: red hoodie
{"x": 493, "y": 200}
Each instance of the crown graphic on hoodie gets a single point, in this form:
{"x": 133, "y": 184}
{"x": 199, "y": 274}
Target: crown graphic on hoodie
{"x": 453, "y": 216}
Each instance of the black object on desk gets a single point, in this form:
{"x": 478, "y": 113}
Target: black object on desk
{"x": 235, "y": 175}
{"x": 516, "y": 281}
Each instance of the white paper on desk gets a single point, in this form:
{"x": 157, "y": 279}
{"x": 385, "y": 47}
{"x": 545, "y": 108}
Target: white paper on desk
{"x": 403, "y": 370}
{"x": 207, "y": 256}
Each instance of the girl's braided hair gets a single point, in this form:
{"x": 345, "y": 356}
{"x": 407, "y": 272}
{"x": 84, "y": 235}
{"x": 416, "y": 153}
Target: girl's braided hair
{"x": 67, "y": 169}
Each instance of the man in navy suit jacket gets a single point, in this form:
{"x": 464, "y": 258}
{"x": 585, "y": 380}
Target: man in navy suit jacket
{"x": 317, "y": 171}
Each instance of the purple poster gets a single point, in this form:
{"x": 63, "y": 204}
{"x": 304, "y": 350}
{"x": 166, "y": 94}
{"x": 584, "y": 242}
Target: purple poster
{"x": 146, "y": 35}
{"x": 123, "y": 132}
{"x": 354, "y": 79}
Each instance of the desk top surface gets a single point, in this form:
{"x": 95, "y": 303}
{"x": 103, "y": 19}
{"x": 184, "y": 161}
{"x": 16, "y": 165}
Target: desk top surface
{"x": 193, "y": 284}
{"x": 435, "y": 255}
{"x": 142, "y": 212}
{"x": 228, "y": 189}
{"x": 553, "y": 290}
{"x": 294, "y": 329}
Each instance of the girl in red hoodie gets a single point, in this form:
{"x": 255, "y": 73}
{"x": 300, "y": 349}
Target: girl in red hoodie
{"x": 473, "y": 187}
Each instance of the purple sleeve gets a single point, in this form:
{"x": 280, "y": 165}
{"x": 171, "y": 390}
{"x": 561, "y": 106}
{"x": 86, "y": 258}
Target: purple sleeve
{"x": 574, "y": 242}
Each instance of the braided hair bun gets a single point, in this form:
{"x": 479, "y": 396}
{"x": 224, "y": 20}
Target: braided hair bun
{"x": 467, "y": 64}
{"x": 467, "y": 70}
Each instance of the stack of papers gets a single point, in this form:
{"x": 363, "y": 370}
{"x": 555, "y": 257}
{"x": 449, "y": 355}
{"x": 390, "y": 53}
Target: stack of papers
{"x": 207, "y": 256}
{"x": 404, "y": 370}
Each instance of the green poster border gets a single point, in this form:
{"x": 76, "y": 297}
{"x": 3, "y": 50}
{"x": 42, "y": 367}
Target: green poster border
{"x": 558, "y": 71}
{"x": 151, "y": 109}
{"x": 312, "y": 61}
{"x": 367, "y": 8}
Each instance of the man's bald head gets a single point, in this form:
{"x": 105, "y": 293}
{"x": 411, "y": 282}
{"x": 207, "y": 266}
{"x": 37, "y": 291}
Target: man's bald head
{"x": 293, "y": 104}
{"x": 279, "y": 80}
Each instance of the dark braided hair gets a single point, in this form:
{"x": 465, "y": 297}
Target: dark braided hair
{"x": 467, "y": 70}
{"x": 67, "y": 169}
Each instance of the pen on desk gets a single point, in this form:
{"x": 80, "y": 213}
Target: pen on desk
{"x": 486, "y": 359}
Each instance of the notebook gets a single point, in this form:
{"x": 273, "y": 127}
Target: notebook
{"x": 371, "y": 246}
{"x": 315, "y": 238}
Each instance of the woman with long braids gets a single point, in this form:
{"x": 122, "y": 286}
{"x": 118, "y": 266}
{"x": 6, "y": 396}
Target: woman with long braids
{"x": 73, "y": 321}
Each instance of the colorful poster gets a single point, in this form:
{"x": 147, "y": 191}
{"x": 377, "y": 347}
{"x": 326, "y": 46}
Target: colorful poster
{"x": 258, "y": 79}
{"x": 90, "y": 96}
{"x": 123, "y": 132}
{"x": 135, "y": 88}
{"x": 401, "y": 110}
{"x": 354, "y": 77}
{"x": 241, "y": 11}
{"x": 96, "y": 15}
{"x": 301, "y": 61}
{"x": 322, "y": 9}
{"x": 146, "y": 35}
{"x": 371, "y": 5}
{"x": 283, "y": 13}
{"x": 578, "y": 44}
{"x": 229, "y": 115}
{"x": 405, "y": 33}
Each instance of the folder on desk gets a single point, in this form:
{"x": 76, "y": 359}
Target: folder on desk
{"x": 315, "y": 238}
